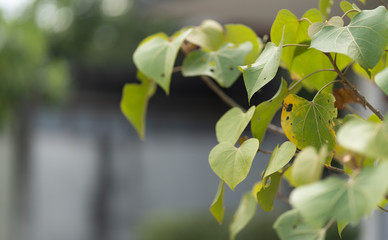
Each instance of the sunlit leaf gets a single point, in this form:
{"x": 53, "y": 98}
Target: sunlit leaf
{"x": 261, "y": 72}
{"x": 245, "y": 212}
{"x": 308, "y": 166}
{"x": 290, "y": 226}
{"x": 346, "y": 6}
{"x": 363, "y": 40}
{"x": 371, "y": 73}
{"x": 365, "y": 137}
{"x": 222, "y": 64}
{"x": 382, "y": 80}
{"x": 238, "y": 33}
{"x": 134, "y": 102}
{"x": 325, "y": 7}
{"x": 232, "y": 124}
{"x": 280, "y": 157}
{"x": 232, "y": 164}
{"x": 309, "y": 123}
{"x": 217, "y": 208}
{"x": 209, "y": 35}
{"x": 266, "y": 191}
{"x": 344, "y": 200}
{"x": 155, "y": 57}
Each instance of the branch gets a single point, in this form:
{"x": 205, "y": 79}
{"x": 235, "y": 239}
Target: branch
{"x": 334, "y": 169}
{"x": 382, "y": 3}
{"x": 382, "y": 209}
{"x": 355, "y": 90}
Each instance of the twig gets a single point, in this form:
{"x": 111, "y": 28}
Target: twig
{"x": 355, "y": 90}
{"x": 334, "y": 169}
{"x": 382, "y": 209}
{"x": 264, "y": 151}
{"x": 177, "y": 69}
{"x": 295, "y": 45}
{"x": 309, "y": 75}
{"x": 347, "y": 68}
{"x": 347, "y": 12}
{"x": 282, "y": 198}
{"x": 382, "y": 3}
{"x": 275, "y": 129}
{"x": 306, "y": 19}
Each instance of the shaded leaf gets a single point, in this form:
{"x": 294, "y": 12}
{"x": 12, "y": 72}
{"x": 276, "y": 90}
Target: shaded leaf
{"x": 344, "y": 200}
{"x": 345, "y": 95}
{"x": 290, "y": 226}
{"x": 371, "y": 73}
{"x": 134, "y": 102}
{"x": 261, "y": 72}
{"x": 222, "y": 64}
{"x": 382, "y": 80}
{"x": 365, "y": 137}
{"x": 232, "y": 164}
{"x": 155, "y": 57}
{"x": 245, "y": 212}
{"x": 238, "y": 33}
{"x": 363, "y": 40}
{"x": 232, "y": 124}
{"x": 279, "y": 158}
{"x": 308, "y": 166}
{"x": 209, "y": 35}
{"x": 341, "y": 226}
{"x": 217, "y": 208}
{"x": 325, "y": 7}
{"x": 266, "y": 192}
{"x": 309, "y": 123}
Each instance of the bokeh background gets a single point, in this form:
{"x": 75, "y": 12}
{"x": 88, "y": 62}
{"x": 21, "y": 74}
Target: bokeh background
{"x": 71, "y": 165}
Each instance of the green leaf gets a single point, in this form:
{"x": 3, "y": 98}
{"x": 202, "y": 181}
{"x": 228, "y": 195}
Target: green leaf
{"x": 238, "y": 33}
{"x": 341, "y": 199}
{"x": 217, "y": 208}
{"x": 308, "y": 166}
{"x": 371, "y": 73}
{"x": 381, "y": 80}
{"x": 134, "y": 102}
{"x": 365, "y": 137}
{"x": 266, "y": 193}
{"x": 290, "y": 226}
{"x": 279, "y": 158}
{"x": 363, "y": 40}
{"x": 222, "y": 64}
{"x": 245, "y": 212}
{"x": 232, "y": 124}
{"x": 325, "y": 7}
{"x": 261, "y": 72}
{"x": 209, "y": 35}
{"x": 309, "y": 123}
{"x": 346, "y": 6}
{"x": 155, "y": 57}
{"x": 341, "y": 226}
{"x": 232, "y": 164}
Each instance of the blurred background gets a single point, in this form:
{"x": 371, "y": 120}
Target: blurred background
{"x": 73, "y": 168}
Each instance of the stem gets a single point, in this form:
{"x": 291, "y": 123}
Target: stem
{"x": 328, "y": 225}
{"x": 306, "y": 19}
{"x": 347, "y": 68}
{"x": 177, "y": 69}
{"x": 382, "y": 209}
{"x": 382, "y": 3}
{"x": 355, "y": 90}
{"x": 334, "y": 169}
{"x": 326, "y": 85}
{"x": 295, "y": 45}
{"x": 264, "y": 151}
{"x": 309, "y": 75}
{"x": 349, "y": 11}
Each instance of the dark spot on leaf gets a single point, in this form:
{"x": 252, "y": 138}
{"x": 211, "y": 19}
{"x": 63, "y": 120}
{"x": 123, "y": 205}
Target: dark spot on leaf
{"x": 231, "y": 68}
{"x": 270, "y": 101}
{"x": 288, "y": 117}
{"x": 293, "y": 136}
{"x": 328, "y": 100}
{"x": 162, "y": 75}
{"x": 291, "y": 124}
{"x": 312, "y": 142}
{"x": 294, "y": 226}
{"x": 303, "y": 140}
{"x": 211, "y": 69}
{"x": 329, "y": 121}
{"x": 289, "y": 107}
{"x": 258, "y": 119}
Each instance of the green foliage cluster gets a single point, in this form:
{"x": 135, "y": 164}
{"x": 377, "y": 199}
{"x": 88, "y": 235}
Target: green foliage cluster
{"x": 317, "y": 51}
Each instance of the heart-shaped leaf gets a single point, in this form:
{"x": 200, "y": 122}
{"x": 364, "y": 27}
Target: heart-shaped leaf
{"x": 209, "y": 35}
{"x": 344, "y": 200}
{"x": 279, "y": 158}
{"x": 222, "y": 64}
{"x": 266, "y": 192}
{"x": 363, "y": 40}
{"x": 290, "y": 226}
{"x": 232, "y": 164}
{"x": 245, "y": 212}
{"x": 155, "y": 57}
{"x": 134, "y": 102}
{"x": 232, "y": 124}
{"x": 309, "y": 123}
{"x": 217, "y": 208}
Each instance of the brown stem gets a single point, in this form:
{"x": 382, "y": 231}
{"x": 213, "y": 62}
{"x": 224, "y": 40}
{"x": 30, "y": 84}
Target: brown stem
{"x": 264, "y": 151}
{"x": 306, "y": 19}
{"x": 177, "y": 69}
{"x": 382, "y": 209}
{"x": 382, "y": 3}
{"x": 334, "y": 169}
{"x": 354, "y": 89}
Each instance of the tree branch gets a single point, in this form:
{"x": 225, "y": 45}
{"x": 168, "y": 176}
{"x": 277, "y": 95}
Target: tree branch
{"x": 355, "y": 90}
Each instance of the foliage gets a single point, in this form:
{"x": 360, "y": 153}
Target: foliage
{"x": 316, "y": 53}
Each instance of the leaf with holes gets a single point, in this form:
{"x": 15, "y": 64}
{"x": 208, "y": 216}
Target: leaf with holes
{"x": 217, "y": 208}
{"x": 232, "y": 164}
{"x": 363, "y": 40}
{"x": 245, "y": 212}
{"x": 222, "y": 65}
{"x": 266, "y": 191}
{"x": 155, "y": 57}
{"x": 309, "y": 123}
{"x": 261, "y": 72}
{"x": 279, "y": 158}
{"x": 232, "y": 124}
{"x": 134, "y": 102}
{"x": 290, "y": 226}
{"x": 342, "y": 199}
